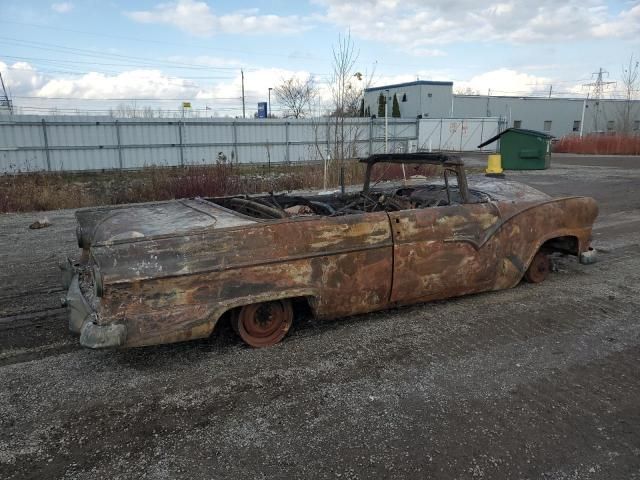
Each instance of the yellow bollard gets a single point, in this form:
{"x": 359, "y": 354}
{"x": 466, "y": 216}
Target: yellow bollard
{"x": 494, "y": 164}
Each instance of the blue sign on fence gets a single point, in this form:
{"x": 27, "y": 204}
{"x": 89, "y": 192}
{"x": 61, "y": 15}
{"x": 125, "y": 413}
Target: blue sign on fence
{"x": 262, "y": 109}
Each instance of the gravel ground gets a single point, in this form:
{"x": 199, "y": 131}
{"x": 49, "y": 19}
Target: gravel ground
{"x": 535, "y": 382}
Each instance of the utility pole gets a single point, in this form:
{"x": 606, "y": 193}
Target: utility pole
{"x": 598, "y": 88}
{"x": 269, "y": 105}
{"x": 242, "y": 76}
{"x": 5, "y": 101}
{"x": 550, "y": 90}
{"x": 488, "y": 95}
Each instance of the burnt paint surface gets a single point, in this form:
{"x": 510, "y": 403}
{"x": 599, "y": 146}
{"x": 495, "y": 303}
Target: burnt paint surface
{"x": 170, "y": 288}
{"x": 449, "y": 251}
{"x": 175, "y": 288}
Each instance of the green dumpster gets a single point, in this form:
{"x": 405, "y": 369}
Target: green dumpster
{"x": 523, "y": 149}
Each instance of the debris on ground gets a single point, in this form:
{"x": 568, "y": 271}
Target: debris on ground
{"x": 42, "y": 223}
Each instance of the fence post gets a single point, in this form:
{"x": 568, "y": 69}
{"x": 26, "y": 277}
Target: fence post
{"x": 370, "y": 135}
{"x": 46, "y": 144}
{"x": 286, "y": 140}
{"x": 328, "y": 129}
{"x": 180, "y": 138}
{"x": 235, "y": 140}
{"x": 119, "y": 145}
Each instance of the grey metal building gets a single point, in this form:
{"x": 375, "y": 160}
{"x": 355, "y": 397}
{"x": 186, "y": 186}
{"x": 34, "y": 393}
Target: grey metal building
{"x": 556, "y": 116}
{"x": 419, "y": 99}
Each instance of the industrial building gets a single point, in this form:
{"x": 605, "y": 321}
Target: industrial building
{"x": 553, "y": 115}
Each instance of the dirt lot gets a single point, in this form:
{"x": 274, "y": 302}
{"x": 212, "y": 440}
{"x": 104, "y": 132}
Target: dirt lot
{"x": 534, "y": 382}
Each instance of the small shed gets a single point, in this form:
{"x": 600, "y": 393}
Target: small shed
{"x": 523, "y": 149}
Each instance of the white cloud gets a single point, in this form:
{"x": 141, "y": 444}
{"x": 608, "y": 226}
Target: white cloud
{"x": 503, "y": 82}
{"x": 130, "y": 84}
{"x": 414, "y": 24}
{"x": 21, "y": 78}
{"x": 625, "y": 24}
{"x": 62, "y": 7}
{"x": 197, "y": 18}
{"x": 150, "y": 87}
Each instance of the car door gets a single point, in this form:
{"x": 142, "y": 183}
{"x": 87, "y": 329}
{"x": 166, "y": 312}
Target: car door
{"x": 442, "y": 252}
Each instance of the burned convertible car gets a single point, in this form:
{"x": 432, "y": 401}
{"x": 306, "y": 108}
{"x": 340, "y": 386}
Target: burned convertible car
{"x": 169, "y": 271}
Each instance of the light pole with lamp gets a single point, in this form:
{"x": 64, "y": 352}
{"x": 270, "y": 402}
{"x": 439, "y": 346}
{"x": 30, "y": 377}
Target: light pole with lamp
{"x": 269, "y": 114}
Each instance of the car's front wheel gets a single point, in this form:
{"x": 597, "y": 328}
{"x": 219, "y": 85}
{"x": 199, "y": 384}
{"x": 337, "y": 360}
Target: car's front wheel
{"x": 539, "y": 268}
{"x": 263, "y": 324}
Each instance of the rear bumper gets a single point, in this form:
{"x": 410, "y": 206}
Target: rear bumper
{"x": 83, "y": 320}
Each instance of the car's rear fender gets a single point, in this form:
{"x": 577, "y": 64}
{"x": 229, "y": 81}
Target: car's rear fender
{"x": 189, "y": 322}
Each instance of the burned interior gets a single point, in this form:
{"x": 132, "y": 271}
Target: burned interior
{"x": 371, "y": 198}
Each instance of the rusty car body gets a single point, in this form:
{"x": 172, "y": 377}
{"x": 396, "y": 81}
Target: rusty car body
{"x": 169, "y": 271}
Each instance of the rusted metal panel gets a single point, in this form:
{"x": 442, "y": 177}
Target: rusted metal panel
{"x": 156, "y": 310}
{"x": 235, "y": 247}
{"x": 435, "y": 255}
{"x": 451, "y": 251}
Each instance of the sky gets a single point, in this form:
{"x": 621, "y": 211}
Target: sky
{"x": 100, "y": 55}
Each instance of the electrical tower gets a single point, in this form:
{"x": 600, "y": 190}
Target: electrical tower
{"x": 598, "y": 88}
{"x": 5, "y": 101}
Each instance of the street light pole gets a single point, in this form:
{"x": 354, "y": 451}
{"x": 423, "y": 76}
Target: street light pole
{"x": 269, "y": 114}
{"x": 386, "y": 121}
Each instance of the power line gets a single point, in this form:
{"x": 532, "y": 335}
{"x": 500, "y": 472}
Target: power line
{"x": 130, "y": 99}
{"x": 81, "y": 52}
{"x": 130, "y": 64}
{"x": 147, "y": 40}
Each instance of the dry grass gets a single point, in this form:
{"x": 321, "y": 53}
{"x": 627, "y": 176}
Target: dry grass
{"x": 52, "y": 191}
{"x": 598, "y": 144}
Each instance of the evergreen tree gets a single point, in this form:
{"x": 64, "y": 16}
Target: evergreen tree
{"x": 381, "y": 101}
{"x": 367, "y": 112}
{"x": 395, "y": 112}
{"x": 361, "y": 112}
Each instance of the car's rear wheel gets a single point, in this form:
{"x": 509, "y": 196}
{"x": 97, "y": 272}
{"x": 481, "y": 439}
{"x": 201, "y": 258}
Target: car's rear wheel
{"x": 263, "y": 324}
{"x": 539, "y": 268}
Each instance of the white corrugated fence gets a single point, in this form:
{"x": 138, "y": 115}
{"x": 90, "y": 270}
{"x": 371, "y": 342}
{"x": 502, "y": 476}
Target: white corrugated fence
{"x": 62, "y": 143}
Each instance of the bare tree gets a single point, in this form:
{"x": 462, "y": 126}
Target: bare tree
{"x": 123, "y": 110}
{"x": 147, "y": 112}
{"x": 631, "y": 85}
{"x": 296, "y": 96}
{"x": 345, "y": 57}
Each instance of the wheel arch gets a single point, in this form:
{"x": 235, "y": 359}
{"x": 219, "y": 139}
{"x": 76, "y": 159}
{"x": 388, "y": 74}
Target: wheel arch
{"x": 303, "y": 300}
{"x": 569, "y": 244}
{"x": 561, "y": 242}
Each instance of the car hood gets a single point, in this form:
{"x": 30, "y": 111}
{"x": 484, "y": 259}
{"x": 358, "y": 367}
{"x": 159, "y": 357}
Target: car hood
{"x": 502, "y": 189}
{"x": 177, "y": 217}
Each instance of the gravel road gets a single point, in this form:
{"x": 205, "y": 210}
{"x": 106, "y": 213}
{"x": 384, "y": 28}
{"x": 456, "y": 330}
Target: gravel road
{"x": 540, "y": 381}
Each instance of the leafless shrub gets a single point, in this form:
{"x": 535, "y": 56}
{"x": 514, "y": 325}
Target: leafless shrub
{"x": 296, "y": 96}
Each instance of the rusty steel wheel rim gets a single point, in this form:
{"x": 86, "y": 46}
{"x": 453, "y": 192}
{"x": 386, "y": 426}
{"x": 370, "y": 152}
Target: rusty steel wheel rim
{"x": 264, "y": 324}
{"x": 539, "y": 268}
